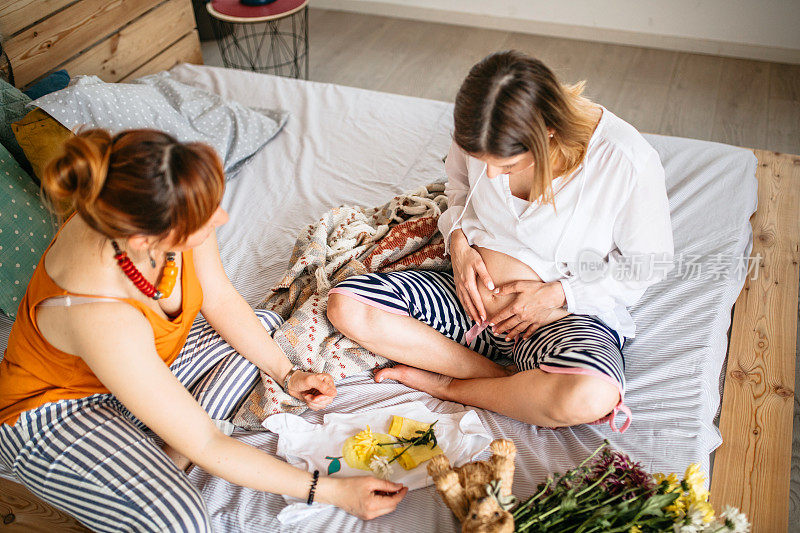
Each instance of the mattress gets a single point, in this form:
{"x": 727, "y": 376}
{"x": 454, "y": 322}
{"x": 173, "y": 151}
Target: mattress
{"x": 350, "y": 146}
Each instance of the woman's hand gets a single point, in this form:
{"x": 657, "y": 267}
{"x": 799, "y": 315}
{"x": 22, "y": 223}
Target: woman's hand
{"x": 467, "y": 267}
{"x": 535, "y": 304}
{"x": 365, "y": 497}
{"x": 317, "y": 390}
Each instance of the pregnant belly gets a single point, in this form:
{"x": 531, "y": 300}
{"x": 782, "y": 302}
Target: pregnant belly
{"x": 502, "y": 269}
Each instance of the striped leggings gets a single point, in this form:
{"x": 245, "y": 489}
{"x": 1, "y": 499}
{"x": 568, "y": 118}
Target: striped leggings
{"x": 575, "y": 344}
{"x": 93, "y": 459}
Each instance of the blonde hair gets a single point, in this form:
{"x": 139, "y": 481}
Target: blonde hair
{"x": 506, "y": 105}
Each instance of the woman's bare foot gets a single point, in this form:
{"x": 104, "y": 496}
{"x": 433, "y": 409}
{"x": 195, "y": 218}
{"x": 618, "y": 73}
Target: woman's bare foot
{"x": 181, "y": 461}
{"x": 416, "y": 378}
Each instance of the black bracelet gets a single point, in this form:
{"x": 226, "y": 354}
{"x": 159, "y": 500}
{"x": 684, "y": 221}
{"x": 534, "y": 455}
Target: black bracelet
{"x": 313, "y": 487}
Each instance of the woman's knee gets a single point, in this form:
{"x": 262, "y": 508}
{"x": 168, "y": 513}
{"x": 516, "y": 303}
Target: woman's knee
{"x": 352, "y": 318}
{"x": 580, "y": 399}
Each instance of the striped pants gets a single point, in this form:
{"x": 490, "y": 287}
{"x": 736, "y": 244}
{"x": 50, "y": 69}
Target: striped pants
{"x": 575, "y": 344}
{"x": 93, "y": 459}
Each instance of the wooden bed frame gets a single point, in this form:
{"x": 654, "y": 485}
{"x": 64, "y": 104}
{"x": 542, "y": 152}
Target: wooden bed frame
{"x": 752, "y": 467}
{"x": 124, "y": 39}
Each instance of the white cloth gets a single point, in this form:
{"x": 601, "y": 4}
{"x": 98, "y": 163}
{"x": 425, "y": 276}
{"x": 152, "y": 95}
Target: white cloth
{"x": 461, "y": 436}
{"x": 610, "y": 217}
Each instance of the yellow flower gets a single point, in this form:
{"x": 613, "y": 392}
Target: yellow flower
{"x": 678, "y": 507}
{"x": 671, "y": 479}
{"x": 635, "y": 529}
{"x": 693, "y": 476}
{"x": 696, "y": 485}
{"x": 698, "y": 494}
{"x": 366, "y": 445}
{"x": 706, "y": 509}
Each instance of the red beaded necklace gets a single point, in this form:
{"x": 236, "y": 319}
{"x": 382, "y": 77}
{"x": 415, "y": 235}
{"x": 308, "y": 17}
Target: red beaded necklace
{"x": 169, "y": 274}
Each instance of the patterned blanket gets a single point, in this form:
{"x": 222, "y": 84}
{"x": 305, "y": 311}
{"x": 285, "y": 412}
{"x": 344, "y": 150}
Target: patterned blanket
{"x": 346, "y": 241}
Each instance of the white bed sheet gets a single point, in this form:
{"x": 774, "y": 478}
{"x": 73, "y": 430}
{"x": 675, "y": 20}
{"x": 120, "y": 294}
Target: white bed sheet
{"x": 344, "y": 145}
{"x": 329, "y": 153}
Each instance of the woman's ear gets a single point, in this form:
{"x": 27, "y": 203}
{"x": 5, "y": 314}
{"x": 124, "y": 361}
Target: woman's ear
{"x": 140, "y": 244}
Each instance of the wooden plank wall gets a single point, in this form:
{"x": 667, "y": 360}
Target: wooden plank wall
{"x": 16, "y": 15}
{"x": 752, "y": 467}
{"x": 112, "y": 39}
{"x": 185, "y": 50}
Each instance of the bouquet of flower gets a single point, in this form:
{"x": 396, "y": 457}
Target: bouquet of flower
{"x": 609, "y": 492}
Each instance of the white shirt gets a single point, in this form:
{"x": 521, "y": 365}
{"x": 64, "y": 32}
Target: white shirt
{"x": 608, "y": 239}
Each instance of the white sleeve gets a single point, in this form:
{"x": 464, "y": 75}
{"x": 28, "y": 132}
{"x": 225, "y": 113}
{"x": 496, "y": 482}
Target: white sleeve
{"x": 456, "y": 190}
{"x": 643, "y": 255}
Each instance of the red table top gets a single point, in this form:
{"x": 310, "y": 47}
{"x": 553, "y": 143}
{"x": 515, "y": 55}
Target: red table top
{"x": 235, "y": 11}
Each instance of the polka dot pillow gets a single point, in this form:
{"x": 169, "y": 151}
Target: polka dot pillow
{"x": 26, "y": 229}
{"x": 189, "y": 113}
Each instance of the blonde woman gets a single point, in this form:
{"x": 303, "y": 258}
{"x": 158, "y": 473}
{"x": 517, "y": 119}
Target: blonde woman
{"x": 557, "y": 215}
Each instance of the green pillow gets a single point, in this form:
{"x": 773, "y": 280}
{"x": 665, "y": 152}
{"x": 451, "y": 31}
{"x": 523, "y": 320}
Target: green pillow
{"x": 12, "y": 108}
{"x": 26, "y": 229}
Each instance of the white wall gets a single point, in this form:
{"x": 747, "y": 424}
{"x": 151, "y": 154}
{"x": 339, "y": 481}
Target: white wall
{"x": 759, "y": 29}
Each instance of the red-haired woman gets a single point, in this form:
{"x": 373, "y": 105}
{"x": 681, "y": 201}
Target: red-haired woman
{"x": 558, "y": 221}
{"x": 104, "y": 353}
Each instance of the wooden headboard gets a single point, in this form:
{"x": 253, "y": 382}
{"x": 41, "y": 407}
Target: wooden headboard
{"x": 116, "y": 40}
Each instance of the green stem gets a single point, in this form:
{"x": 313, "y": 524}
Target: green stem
{"x": 599, "y": 505}
{"x": 396, "y": 457}
{"x": 555, "y": 495}
{"x": 628, "y": 524}
{"x": 593, "y": 485}
{"x": 605, "y": 443}
{"x": 527, "y": 503}
{"x": 426, "y": 438}
{"x": 602, "y": 504}
{"x": 621, "y": 529}
{"x": 542, "y": 516}
{"x": 539, "y": 518}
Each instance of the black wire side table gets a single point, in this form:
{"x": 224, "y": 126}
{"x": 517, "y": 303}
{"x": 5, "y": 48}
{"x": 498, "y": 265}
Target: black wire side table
{"x": 271, "y": 38}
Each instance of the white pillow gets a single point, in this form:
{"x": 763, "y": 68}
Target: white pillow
{"x": 188, "y": 113}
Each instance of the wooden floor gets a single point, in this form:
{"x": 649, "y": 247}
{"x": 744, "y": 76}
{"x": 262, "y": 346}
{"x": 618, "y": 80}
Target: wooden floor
{"x": 734, "y": 101}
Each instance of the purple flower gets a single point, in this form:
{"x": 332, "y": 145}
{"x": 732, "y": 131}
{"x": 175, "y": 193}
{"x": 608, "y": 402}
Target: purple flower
{"x": 626, "y": 474}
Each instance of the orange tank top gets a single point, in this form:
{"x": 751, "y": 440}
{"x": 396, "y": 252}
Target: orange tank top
{"x": 33, "y": 372}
